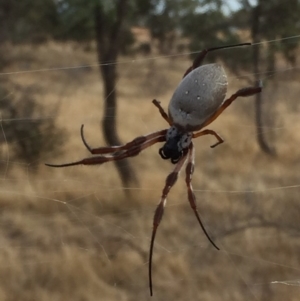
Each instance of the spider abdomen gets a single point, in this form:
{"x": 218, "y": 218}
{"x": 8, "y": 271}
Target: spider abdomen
{"x": 198, "y": 96}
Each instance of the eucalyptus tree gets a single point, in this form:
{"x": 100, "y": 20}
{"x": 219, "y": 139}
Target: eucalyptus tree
{"x": 269, "y": 21}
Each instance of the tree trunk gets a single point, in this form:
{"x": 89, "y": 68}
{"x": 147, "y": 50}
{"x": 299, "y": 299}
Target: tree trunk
{"x": 258, "y": 100}
{"x": 108, "y": 41}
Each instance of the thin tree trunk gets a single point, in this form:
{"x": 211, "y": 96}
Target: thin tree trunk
{"x": 258, "y": 100}
{"x": 108, "y": 41}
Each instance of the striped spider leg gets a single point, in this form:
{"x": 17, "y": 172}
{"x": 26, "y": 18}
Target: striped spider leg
{"x": 114, "y": 153}
{"x": 188, "y": 156}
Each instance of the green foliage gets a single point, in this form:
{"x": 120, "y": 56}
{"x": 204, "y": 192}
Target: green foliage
{"x": 203, "y": 21}
{"x": 164, "y": 20}
{"x": 76, "y": 20}
{"x": 27, "y": 20}
{"x": 209, "y": 26}
{"x": 28, "y": 136}
{"x": 278, "y": 19}
{"x": 31, "y": 21}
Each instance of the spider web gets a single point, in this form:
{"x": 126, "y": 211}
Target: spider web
{"x": 78, "y": 234}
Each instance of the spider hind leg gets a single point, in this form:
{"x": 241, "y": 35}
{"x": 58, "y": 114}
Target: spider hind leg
{"x": 191, "y": 196}
{"x": 170, "y": 181}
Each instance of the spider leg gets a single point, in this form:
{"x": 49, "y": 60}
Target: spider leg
{"x": 112, "y": 149}
{"x": 130, "y": 152}
{"x": 191, "y": 196}
{"x": 200, "y": 57}
{"x": 249, "y": 91}
{"x": 209, "y": 132}
{"x": 162, "y": 111}
{"x": 170, "y": 181}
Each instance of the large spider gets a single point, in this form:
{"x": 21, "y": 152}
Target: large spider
{"x": 198, "y": 101}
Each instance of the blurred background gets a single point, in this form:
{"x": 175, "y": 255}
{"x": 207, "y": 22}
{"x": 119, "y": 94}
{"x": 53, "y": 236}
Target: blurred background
{"x": 83, "y": 232}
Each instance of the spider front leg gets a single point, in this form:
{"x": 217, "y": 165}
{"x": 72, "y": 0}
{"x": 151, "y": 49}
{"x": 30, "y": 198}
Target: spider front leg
{"x": 210, "y": 132}
{"x": 170, "y": 181}
{"x": 133, "y": 150}
{"x": 162, "y": 111}
{"x": 191, "y": 196}
{"x": 112, "y": 149}
{"x": 200, "y": 57}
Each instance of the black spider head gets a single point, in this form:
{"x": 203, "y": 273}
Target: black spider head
{"x": 176, "y": 142}
{"x": 170, "y": 150}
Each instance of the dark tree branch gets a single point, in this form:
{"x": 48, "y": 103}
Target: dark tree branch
{"x": 99, "y": 29}
{"x": 108, "y": 42}
{"x": 115, "y": 36}
{"x": 255, "y": 32}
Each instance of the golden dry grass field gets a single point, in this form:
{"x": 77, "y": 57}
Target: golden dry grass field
{"x": 74, "y": 234}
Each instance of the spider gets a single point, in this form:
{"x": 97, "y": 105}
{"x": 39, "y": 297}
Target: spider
{"x": 198, "y": 101}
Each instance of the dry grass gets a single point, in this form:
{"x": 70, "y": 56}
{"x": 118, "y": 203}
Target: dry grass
{"x": 71, "y": 234}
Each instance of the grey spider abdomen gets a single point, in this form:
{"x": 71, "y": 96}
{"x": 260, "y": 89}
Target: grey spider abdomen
{"x": 198, "y": 96}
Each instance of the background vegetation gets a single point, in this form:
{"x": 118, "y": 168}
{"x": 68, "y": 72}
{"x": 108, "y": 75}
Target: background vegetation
{"x": 83, "y": 233}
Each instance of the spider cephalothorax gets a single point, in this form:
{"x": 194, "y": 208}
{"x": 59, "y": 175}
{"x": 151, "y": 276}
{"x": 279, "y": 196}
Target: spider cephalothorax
{"x": 198, "y": 101}
{"x": 176, "y": 142}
